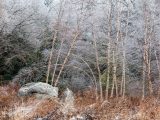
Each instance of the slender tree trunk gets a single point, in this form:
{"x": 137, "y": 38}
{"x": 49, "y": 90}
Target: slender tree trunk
{"x": 157, "y": 61}
{"x": 108, "y": 55}
{"x": 158, "y": 67}
{"x": 123, "y": 84}
{"x": 97, "y": 63}
{"x": 55, "y": 67}
{"x": 60, "y": 14}
{"x": 95, "y": 82}
{"x": 51, "y": 55}
{"x": 66, "y": 58}
{"x": 149, "y": 64}
{"x": 155, "y": 43}
{"x": 147, "y": 84}
{"x": 115, "y": 53}
{"x": 114, "y": 75}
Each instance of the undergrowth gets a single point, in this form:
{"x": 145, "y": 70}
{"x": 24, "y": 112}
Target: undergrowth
{"x": 29, "y": 108}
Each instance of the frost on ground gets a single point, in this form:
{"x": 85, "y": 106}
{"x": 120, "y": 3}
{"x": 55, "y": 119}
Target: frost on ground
{"x": 75, "y": 107}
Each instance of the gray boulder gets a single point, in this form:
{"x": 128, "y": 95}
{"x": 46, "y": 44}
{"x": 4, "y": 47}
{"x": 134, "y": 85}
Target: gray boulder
{"x": 38, "y": 88}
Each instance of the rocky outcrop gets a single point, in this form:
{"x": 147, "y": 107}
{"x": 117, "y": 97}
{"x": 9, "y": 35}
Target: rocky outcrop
{"x": 40, "y": 89}
{"x": 68, "y": 96}
{"x": 67, "y": 102}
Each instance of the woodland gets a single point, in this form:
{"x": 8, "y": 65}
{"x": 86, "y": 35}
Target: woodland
{"x": 104, "y": 52}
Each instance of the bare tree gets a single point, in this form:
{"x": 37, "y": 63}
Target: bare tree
{"x": 123, "y": 82}
{"x": 109, "y": 53}
{"x": 58, "y": 21}
{"x": 68, "y": 54}
{"x": 115, "y": 51}
{"x": 58, "y": 57}
{"x": 97, "y": 64}
{"x": 147, "y": 84}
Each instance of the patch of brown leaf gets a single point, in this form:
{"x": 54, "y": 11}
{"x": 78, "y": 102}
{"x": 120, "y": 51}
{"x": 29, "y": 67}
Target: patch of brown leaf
{"x": 7, "y": 99}
{"x": 85, "y": 105}
{"x": 45, "y": 108}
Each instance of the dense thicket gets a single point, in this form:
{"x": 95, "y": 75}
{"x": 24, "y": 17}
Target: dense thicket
{"x": 112, "y": 45}
{"x": 15, "y": 53}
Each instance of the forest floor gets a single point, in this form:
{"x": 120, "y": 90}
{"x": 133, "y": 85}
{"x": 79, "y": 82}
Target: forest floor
{"x": 14, "y": 108}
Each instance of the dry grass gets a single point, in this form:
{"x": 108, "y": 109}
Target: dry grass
{"x": 14, "y": 108}
{"x": 7, "y": 99}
